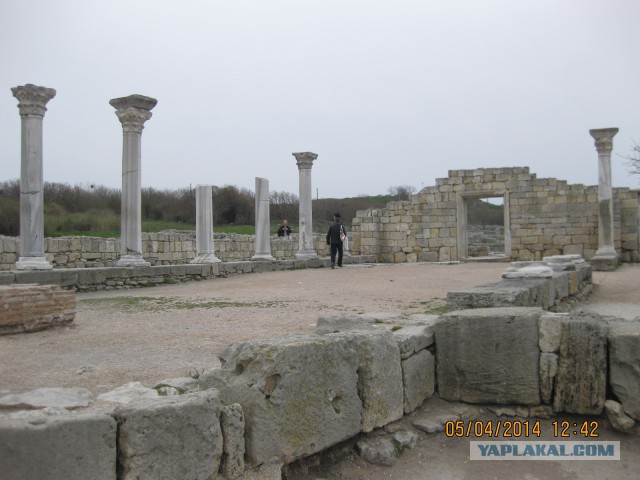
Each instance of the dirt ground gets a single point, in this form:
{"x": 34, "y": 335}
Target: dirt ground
{"x": 168, "y": 331}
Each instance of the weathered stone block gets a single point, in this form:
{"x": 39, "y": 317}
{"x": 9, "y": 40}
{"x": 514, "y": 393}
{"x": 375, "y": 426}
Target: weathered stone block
{"x": 170, "y": 437}
{"x": 413, "y": 338}
{"x": 51, "y": 447}
{"x": 624, "y": 365}
{"x": 581, "y": 381}
{"x": 299, "y": 393}
{"x": 548, "y": 371}
{"x": 232, "y": 423}
{"x": 379, "y": 377}
{"x": 550, "y": 331}
{"x": 418, "y": 379}
{"x": 489, "y": 356}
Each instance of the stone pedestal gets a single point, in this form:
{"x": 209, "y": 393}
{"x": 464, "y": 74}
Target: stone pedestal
{"x": 305, "y": 238}
{"x": 204, "y": 226}
{"x": 606, "y": 257}
{"x": 31, "y": 104}
{"x": 263, "y": 225}
{"x": 132, "y": 111}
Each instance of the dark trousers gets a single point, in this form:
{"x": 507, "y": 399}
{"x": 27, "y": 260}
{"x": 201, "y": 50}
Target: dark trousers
{"x": 336, "y": 247}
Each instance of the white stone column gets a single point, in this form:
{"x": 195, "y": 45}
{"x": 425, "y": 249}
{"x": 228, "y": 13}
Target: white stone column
{"x": 605, "y": 257}
{"x": 31, "y": 104}
{"x": 132, "y": 111}
{"x": 305, "y": 194}
{"x": 204, "y": 226}
{"x": 263, "y": 221}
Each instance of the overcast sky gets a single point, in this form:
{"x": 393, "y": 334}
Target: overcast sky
{"x": 385, "y": 92}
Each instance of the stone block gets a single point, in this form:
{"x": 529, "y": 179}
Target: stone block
{"x": 232, "y": 423}
{"x": 550, "y": 331}
{"x": 548, "y": 370}
{"x": 170, "y": 437}
{"x": 418, "y": 379}
{"x": 379, "y": 377}
{"x": 299, "y": 393}
{"x": 42, "y": 446}
{"x": 413, "y": 338}
{"x": 489, "y": 355}
{"x": 624, "y": 365}
{"x": 581, "y": 381}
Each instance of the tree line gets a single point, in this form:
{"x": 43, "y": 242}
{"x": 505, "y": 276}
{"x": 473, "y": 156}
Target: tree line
{"x": 97, "y": 208}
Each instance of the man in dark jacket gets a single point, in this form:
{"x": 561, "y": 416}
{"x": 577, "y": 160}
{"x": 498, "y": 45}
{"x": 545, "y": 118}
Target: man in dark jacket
{"x": 334, "y": 238}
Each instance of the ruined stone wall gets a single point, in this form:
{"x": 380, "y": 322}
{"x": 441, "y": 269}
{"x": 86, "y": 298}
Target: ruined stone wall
{"x": 173, "y": 248}
{"x": 543, "y": 217}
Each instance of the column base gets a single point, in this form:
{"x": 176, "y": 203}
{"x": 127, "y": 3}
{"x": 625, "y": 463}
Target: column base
{"x": 305, "y": 254}
{"x": 605, "y": 262}
{"x": 263, "y": 257}
{"x": 206, "y": 258}
{"x": 33, "y": 263}
{"x": 132, "y": 261}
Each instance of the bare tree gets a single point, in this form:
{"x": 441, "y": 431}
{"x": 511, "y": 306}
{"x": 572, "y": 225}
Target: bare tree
{"x": 403, "y": 192}
{"x": 633, "y": 160}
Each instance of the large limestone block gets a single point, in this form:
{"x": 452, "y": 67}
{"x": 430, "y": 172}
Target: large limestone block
{"x": 550, "y": 331}
{"x": 418, "y": 379}
{"x": 624, "y": 365}
{"x": 379, "y": 377}
{"x": 70, "y": 446}
{"x": 581, "y": 381}
{"x": 170, "y": 437}
{"x": 489, "y": 355}
{"x": 299, "y": 393}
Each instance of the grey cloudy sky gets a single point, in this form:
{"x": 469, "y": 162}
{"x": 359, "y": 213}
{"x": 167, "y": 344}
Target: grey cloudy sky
{"x": 385, "y": 92}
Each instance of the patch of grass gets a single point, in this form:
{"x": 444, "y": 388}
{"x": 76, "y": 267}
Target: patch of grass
{"x": 395, "y": 328}
{"x": 156, "y": 304}
{"x": 435, "y": 306}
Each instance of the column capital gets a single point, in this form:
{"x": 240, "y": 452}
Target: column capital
{"x": 305, "y": 159}
{"x": 133, "y": 111}
{"x": 603, "y": 139}
{"x": 32, "y": 99}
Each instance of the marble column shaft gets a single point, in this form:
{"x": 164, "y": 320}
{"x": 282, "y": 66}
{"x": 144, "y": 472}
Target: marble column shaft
{"x": 32, "y": 102}
{"x": 132, "y": 111}
{"x": 204, "y": 226}
{"x": 604, "y": 145}
{"x": 263, "y": 221}
{"x": 305, "y": 194}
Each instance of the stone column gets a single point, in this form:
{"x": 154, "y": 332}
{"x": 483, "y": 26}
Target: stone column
{"x": 606, "y": 257}
{"x": 31, "y": 104}
{"x": 263, "y": 224}
{"x": 204, "y": 226}
{"x": 132, "y": 111}
{"x": 305, "y": 194}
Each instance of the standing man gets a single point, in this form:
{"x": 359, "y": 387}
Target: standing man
{"x": 285, "y": 229}
{"x": 335, "y": 236}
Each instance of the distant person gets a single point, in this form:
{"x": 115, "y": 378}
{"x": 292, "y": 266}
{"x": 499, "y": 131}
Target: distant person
{"x": 285, "y": 229}
{"x": 335, "y": 237}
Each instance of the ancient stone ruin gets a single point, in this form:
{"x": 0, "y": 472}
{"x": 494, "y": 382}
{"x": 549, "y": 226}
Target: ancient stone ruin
{"x": 278, "y": 401}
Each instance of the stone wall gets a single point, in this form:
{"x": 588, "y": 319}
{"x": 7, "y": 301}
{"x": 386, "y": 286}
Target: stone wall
{"x": 164, "y": 248}
{"x": 359, "y": 376}
{"x": 28, "y": 308}
{"x": 543, "y": 217}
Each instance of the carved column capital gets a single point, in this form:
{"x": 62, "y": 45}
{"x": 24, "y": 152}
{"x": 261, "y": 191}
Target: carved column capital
{"x": 133, "y": 111}
{"x": 32, "y": 100}
{"x": 305, "y": 159}
{"x": 603, "y": 139}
